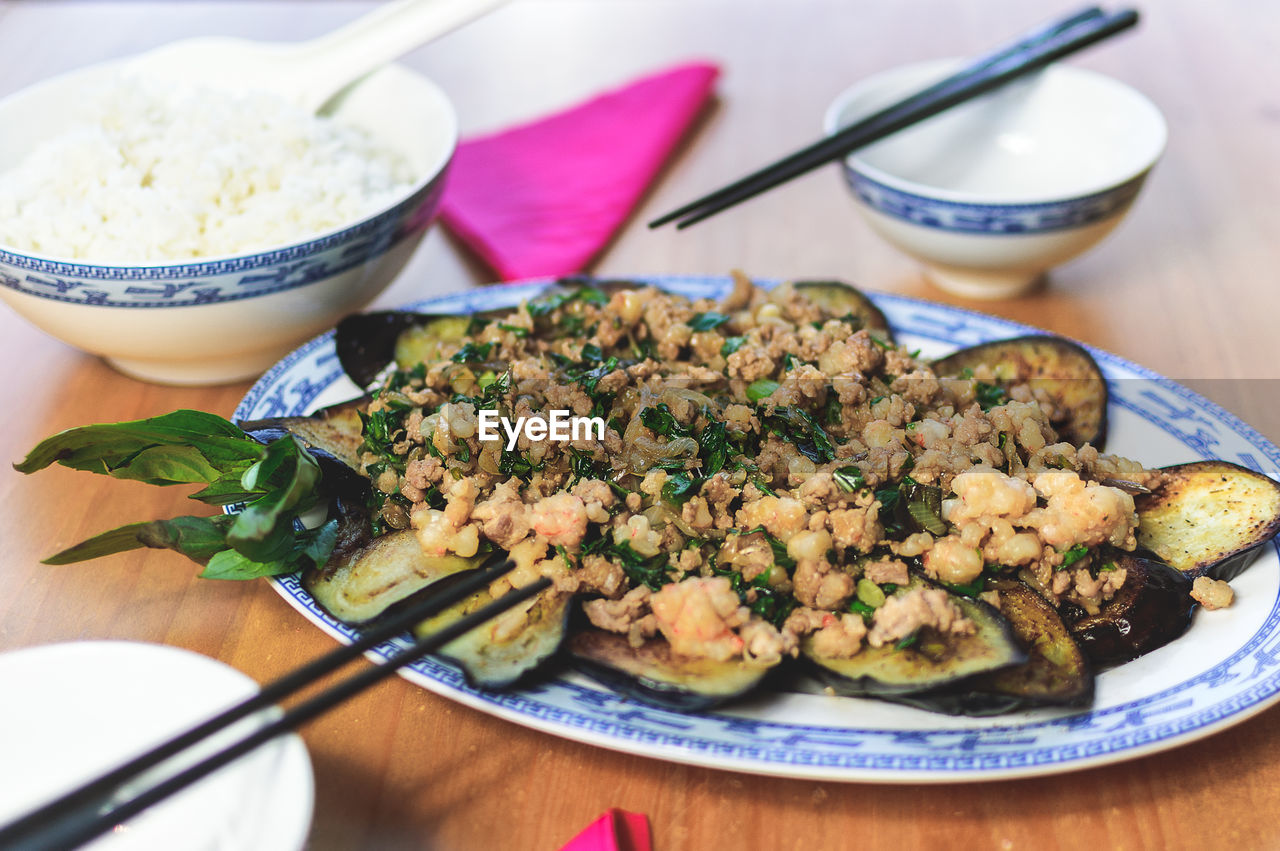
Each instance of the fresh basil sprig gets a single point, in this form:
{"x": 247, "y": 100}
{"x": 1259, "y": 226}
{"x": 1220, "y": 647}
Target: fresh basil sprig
{"x": 277, "y": 484}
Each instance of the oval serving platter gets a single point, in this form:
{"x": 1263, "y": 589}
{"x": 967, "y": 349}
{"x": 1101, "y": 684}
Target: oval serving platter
{"x": 1224, "y": 670}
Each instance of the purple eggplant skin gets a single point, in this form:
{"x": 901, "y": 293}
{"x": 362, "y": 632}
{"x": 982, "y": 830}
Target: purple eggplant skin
{"x": 842, "y": 299}
{"x": 653, "y": 674}
{"x": 493, "y": 663}
{"x": 1056, "y": 673}
{"x": 1152, "y": 608}
{"x": 1209, "y": 518}
{"x": 1063, "y": 369}
{"x": 333, "y": 437}
{"x": 366, "y": 342}
{"x": 335, "y": 432}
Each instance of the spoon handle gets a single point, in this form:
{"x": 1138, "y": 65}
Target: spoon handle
{"x": 337, "y": 59}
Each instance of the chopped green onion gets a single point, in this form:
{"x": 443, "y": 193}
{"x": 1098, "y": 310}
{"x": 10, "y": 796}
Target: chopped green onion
{"x": 760, "y": 388}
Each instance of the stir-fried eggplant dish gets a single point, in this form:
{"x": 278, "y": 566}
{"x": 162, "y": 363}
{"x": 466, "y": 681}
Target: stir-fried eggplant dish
{"x": 761, "y": 485}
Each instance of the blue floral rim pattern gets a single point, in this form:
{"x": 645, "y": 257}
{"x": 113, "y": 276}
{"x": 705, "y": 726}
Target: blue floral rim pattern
{"x": 218, "y": 281}
{"x": 1245, "y": 681}
{"x": 994, "y": 219}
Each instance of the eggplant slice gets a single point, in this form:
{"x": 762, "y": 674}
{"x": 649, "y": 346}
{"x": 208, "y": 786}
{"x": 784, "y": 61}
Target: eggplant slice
{"x": 1056, "y": 672}
{"x": 841, "y": 299}
{"x": 653, "y": 674}
{"x": 367, "y": 343}
{"x": 935, "y": 665}
{"x": 357, "y": 588}
{"x": 502, "y": 651}
{"x": 1209, "y": 518}
{"x": 335, "y": 431}
{"x": 1152, "y": 608}
{"x": 1061, "y": 368}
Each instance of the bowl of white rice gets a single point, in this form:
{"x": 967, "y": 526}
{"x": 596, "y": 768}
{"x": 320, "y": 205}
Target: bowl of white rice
{"x": 193, "y": 236}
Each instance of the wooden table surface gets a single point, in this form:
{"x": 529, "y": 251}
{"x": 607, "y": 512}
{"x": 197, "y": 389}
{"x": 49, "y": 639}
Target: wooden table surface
{"x": 1186, "y": 286}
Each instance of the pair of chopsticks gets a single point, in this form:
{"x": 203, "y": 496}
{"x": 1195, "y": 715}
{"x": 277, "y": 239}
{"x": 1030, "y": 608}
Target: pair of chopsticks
{"x": 1034, "y": 50}
{"x": 97, "y": 806}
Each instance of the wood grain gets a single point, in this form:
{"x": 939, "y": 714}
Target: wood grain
{"x": 1186, "y": 286}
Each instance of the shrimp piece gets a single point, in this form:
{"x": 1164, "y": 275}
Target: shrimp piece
{"x": 988, "y": 493}
{"x": 697, "y": 616}
{"x": 561, "y": 519}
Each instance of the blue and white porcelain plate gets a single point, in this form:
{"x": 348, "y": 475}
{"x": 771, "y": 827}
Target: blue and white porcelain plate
{"x": 1224, "y": 670}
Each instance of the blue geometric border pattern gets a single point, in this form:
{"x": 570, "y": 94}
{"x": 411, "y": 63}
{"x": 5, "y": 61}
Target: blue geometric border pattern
{"x": 995, "y": 219}
{"x": 231, "y": 279}
{"x": 1247, "y": 680}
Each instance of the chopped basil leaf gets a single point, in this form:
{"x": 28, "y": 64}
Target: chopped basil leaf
{"x": 473, "y": 353}
{"x": 780, "y": 556}
{"x": 659, "y": 420}
{"x": 795, "y": 426}
{"x": 714, "y": 444}
{"x": 552, "y": 301}
{"x": 849, "y": 478}
{"x": 759, "y": 596}
{"x": 680, "y": 486}
{"x": 707, "y": 321}
{"x": 989, "y": 396}
{"x": 651, "y": 570}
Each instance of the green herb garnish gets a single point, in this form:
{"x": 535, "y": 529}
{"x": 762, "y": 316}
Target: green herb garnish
{"x": 473, "y": 353}
{"x": 680, "y": 486}
{"x": 989, "y": 396}
{"x": 759, "y": 596}
{"x": 780, "y": 556}
{"x": 1073, "y": 555}
{"x": 858, "y": 607}
{"x": 277, "y": 483}
{"x": 552, "y": 301}
{"x": 795, "y": 426}
{"x": 659, "y": 420}
{"x": 849, "y": 478}
{"x": 707, "y": 321}
{"x": 650, "y": 570}
{"x": 714, "y": 447}
{"x": 518, "y": 330}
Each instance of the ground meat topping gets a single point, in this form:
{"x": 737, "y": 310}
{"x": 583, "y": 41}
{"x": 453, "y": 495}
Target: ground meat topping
{"x": 764, "y": 458}
{"x": 902, "y": 616}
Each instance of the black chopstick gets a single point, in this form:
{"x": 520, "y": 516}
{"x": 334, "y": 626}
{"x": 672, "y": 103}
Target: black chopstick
{"x": 89, "y": 811}
{"x": 1004, "y": 51}
{"x": 1037, "y": 49}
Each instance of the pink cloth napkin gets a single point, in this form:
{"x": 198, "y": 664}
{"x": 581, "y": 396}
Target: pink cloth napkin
{"x": 616, "y": 830}
{"x": 544, "y": 198}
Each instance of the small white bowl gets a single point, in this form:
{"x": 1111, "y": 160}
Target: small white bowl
{"x": 221, "y": 319}
{"x": 991, "y": 194}
{"x": 73, "y": 711}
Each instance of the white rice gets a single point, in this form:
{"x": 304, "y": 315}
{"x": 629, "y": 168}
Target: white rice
{"x": 159, "y": 174}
